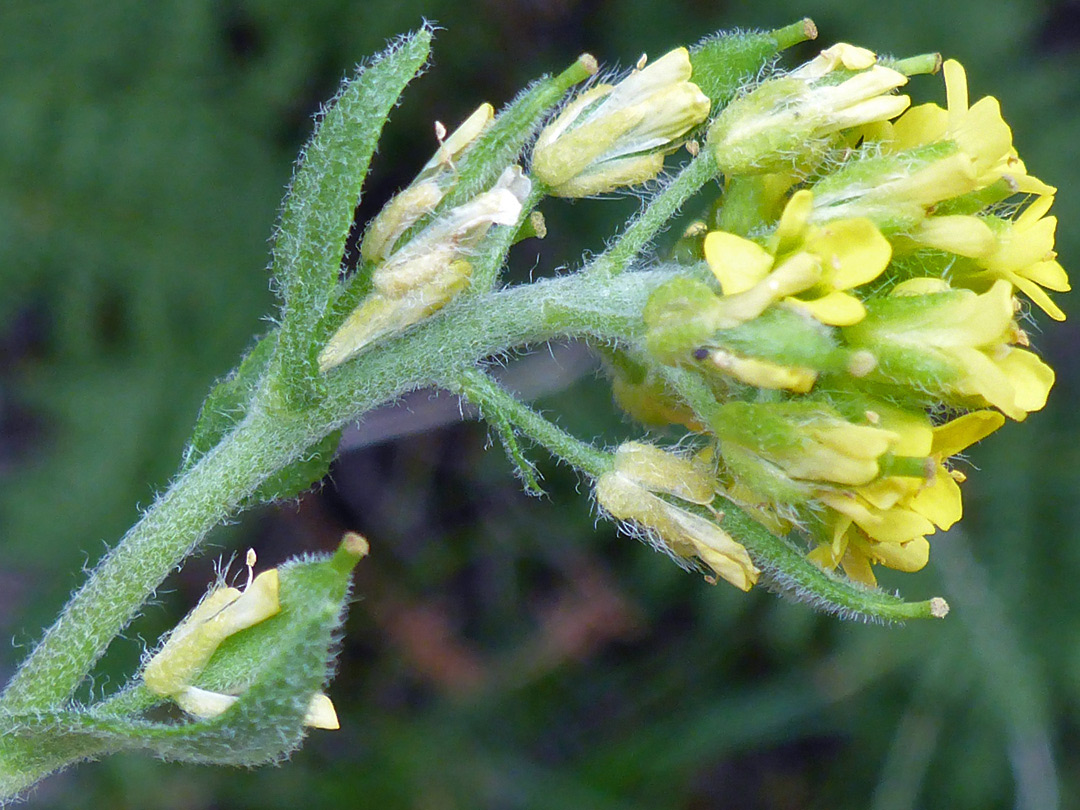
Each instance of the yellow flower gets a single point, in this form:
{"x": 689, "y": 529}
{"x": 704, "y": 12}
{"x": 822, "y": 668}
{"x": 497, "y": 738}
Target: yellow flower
{"x": 811, "y": 267}
{"x": 886, "y": 521}
{"x": 613, "y": 136}
{"x": 627, "y": 492}
{"x": 979, "y": 130}
{"x": 927, "y": 156}
{"x": 954, "y": 342}
{"x": 1021, "y": 251}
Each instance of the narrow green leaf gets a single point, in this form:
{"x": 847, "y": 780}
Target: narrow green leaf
{"x": 318, "y": 210}
{"x": 228, "y": 401}
{"x": 302, "y": 474}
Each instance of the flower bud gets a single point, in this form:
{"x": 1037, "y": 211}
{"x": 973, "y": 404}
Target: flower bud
{"x": 425, "y": 192}
{"x": 429, "y": 271}
{"x": 786, "y": 120}
{"x": 171, "y": 672}
{"x": 628, "y": 493}
{"x": 613, "y": 136}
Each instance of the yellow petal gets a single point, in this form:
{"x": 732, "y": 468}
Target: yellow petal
{"x": 853, "y": 252}
{"x": 908, "y": 557}
{"x": 1048, "y": 274}
{"x": 1038, "y": 296}
{"x": 737, "y": 263}
{"x": 834, "y": 309}
{"x": 955, "y": 88}
{"x": 857, "y": 566}
{"x": 959, "y": 434}
{"x": 321, "y": 713}
{"x": 919, "y": 125}
{"x": 1031, "y": 379}
{"x": 940, "y": 502}
{"x": 983, "y": 134}
{"x": 791, "y": 228}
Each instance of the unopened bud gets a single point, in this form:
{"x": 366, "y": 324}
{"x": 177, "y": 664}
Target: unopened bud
{"x": 613, "y": 136}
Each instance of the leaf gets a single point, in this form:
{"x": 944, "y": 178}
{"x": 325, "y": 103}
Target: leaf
{"x": 318, "y": 210}
{"x": 228, "y": 401}
{"x": 301, "y": 475}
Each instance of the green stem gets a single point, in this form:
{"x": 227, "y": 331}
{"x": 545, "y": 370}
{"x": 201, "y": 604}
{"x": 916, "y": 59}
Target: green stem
{"x": 269, "y": 438}
{"x": 656, "y": 215}
{"x": 198, "y": 501}
{"x": 480, "y": 389}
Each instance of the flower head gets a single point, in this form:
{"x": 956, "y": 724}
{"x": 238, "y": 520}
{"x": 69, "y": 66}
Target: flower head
{"x": 810, "y": 267}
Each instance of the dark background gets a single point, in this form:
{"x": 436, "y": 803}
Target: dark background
{"x": 506, "y": 652}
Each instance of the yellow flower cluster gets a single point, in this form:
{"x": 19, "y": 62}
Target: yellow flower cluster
{"x": 852, "y": 348}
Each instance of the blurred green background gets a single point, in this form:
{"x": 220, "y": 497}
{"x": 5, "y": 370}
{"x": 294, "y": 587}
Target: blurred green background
{"x": 504, "y": 652}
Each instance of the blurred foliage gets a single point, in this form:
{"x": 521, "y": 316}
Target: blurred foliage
{"x": 506, "y": 653}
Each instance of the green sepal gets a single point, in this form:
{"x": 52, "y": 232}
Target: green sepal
{"x": 227, "y": 402}
{"x": 318, "y": 210}
{"x": 724, "y": 62}
{"x": 787, "y": 337}
{"x": 301, "y": 475}
{"x": 680, "y": 316}
{"x": 276, "y": 666}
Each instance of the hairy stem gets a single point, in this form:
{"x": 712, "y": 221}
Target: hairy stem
{"x": 270, "y": 438}
{"x": 480, "y": 389}
{"x": 659, "y": 212}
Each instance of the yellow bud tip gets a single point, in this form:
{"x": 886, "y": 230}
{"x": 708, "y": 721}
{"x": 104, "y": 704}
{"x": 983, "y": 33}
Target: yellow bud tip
{"x": 589, "y": 63}
{"x": 861, "y": 363}
{"x": 939, "y": 608}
